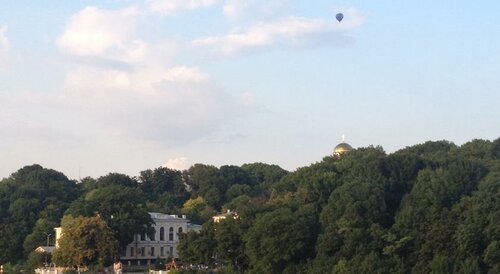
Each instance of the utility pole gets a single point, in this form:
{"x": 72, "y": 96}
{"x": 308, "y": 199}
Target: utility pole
{"x": 47, "y": 252}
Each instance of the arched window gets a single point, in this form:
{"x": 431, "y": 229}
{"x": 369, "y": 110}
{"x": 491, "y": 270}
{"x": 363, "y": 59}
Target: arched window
{"x": 143, "y": 236}
{"x": 180, "y": 230}
{"x": 171, "y": 234}
{"x": 162, "y": 234}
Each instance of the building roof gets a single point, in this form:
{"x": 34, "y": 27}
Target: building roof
{"x": 162, "y": 216}
{"x": 45, "y": 249}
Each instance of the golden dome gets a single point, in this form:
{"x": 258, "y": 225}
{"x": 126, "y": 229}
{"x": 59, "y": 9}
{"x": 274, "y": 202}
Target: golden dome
{"x": 342, "y": 148}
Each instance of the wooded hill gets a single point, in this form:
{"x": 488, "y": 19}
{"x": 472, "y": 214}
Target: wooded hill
{"x": 428, "y": 208}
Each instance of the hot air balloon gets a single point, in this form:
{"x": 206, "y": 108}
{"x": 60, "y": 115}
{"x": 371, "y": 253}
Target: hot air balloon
{"x": 339, "y": 16}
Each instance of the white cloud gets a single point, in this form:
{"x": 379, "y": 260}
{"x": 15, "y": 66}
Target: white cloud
{"x": 4, "y": 46}
{"x": 242, "y": 9}
{"x": 173, "y": 106}
{"x": 248, "y": 99}
{"x": 31, "y": 118}
{"x": 180, "y": 163}
{"x": 169, "y": 7}
{"x": 103, "y": 33}
{"x": 290, "y": 31}
{"x": 127, "y": 85}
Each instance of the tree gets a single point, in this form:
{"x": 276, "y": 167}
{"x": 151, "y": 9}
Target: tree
{"x": 198, "y": 210}
{"x": 116, "y": 179}
{"x": 31, "y": 193}
{"x": 160, "y": 181}
{"x": 43, "y": 230}
{"x": 123, "y": 208}
{"x": 206, "y": 181}
{"x": 229, "y": 235}
{"x": 198, "y": 248}
{"x": 276, "y": 240}
{"x": 85, "y": 241}
{"x": 264, "y": 175}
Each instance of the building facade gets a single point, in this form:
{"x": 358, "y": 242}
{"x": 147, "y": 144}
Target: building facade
{"x": 162, "y": 244}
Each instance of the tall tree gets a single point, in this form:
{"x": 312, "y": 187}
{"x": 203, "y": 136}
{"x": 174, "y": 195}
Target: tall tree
{"x": 25, "y": 196}
{"x": 86, "y": 241}
{"x": 123, "y": 208}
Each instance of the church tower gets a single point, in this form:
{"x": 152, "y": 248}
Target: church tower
{"x": 342, "y": 148}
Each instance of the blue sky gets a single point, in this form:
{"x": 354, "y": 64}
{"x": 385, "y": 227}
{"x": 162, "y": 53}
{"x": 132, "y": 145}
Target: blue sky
{"x": 91, "y": 87}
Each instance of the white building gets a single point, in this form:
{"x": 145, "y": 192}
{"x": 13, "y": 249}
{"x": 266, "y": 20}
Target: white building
{"x": 164, "y": 242}
{"x": 163, "y": 245}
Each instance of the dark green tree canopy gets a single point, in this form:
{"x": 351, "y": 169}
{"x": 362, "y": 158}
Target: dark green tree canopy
{"x": 123, "y": 208}
{"x": 86, "y": 241}
{"x": 427, "y": 208}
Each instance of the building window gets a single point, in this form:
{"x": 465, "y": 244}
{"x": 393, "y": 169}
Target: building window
{"x": 162, "y": 251}
{"x": 152, "y": 251}
{"x": 172, "y": 251}
{"x": 171, "y": 234}
{"x": 153, "y": 236}
{"x": 162, "y": 234}
{"x": 143, "y": 236}
{"x": 142, "y": 252}
{"x": 180, "y": 230}
{"x": 131, "y": 252}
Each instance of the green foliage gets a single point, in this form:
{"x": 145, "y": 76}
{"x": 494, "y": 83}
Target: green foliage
{"x": 264, "y": 175}
{"x": 116, "y": 179}
{"x": 31, "y": 193}
{"x": 206, "y": 181}
{"x": 198, "y": 210}
{"x": 230, "y": 246}
{"x": 278, "y": 239}
{"x": 429, "y": 208}
{"x": 43, "y": 231}
{"x": 163, "y": 183}
{"x": 37, "y": 259}
{"x": 86, "y": 241}
{"x": 198, "y": 248}
{"x": 123, "y": 209}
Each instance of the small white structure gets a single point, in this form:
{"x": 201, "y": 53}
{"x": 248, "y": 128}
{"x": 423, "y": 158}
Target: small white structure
{"x": 164, "y": 242}
{"x": 228, "y": 214}
{"x": 58, "y": 235}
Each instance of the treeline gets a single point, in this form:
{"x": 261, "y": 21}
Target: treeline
{"x": 429, "y": 208}
{"x": 34, "y": 200}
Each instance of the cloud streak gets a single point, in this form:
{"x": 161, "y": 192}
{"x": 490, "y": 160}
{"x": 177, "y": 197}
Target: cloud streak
{"x": 170, "y": 7}
{"x": 286, "y": 32}
{"x": 237, "y": 10}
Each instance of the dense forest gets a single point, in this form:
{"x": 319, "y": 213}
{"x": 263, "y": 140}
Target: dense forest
{"x": 428, "y": 208}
